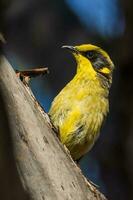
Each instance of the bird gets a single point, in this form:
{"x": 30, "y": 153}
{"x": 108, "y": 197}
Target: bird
{"x": 81, "y": 107}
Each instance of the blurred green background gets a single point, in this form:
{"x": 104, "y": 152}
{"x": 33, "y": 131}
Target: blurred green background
{"x": 35, "y": 31}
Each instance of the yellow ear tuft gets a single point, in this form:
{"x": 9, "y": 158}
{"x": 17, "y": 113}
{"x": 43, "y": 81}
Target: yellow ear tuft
{"x": 104, "y": 70}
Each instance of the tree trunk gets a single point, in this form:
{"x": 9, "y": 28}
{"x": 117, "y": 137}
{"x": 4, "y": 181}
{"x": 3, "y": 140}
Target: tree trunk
{"x": 44, "y": 166}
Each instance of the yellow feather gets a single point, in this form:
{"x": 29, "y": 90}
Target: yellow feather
{"x": 105, "y": 70}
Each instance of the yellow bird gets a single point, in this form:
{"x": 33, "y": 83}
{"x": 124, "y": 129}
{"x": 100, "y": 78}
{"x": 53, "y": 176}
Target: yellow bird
{"x": 79, "y": 110}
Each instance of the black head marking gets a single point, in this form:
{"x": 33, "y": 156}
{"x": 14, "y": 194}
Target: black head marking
{"x": 97, "y": 59}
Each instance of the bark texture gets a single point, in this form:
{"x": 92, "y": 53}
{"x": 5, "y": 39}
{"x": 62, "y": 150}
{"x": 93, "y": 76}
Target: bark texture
{"x": 44, "y": 166}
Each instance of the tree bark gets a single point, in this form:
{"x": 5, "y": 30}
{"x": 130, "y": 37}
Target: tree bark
{"x": 45, "y": 167}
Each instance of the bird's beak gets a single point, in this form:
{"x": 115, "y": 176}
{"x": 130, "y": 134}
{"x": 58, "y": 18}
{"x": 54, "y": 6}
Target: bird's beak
{"x": 71, "y": 48}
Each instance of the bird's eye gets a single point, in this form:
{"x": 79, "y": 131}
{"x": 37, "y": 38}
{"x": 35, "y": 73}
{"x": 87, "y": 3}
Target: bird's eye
{"x": 90, "y": 54}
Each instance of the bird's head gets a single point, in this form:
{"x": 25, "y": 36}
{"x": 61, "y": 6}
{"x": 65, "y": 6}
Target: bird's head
{"x": 93, "y": 61}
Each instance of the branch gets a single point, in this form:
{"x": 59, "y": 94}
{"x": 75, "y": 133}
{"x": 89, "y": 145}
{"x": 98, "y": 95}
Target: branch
{"x": 25, "y": 76}
{"x": 45, "y": 167}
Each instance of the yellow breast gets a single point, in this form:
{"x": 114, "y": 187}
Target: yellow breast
{"x": 77, "y": 112}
